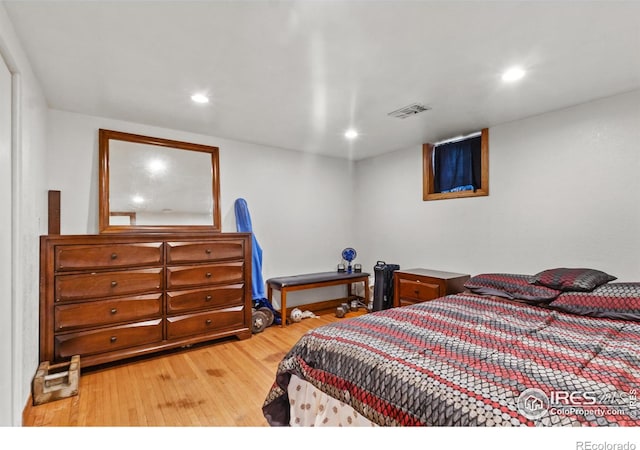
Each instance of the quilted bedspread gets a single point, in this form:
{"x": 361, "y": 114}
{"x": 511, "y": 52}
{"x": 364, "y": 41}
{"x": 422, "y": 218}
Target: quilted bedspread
{"x": 470, "y": 360}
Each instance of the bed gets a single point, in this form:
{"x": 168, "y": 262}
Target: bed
{"x": 491, "y": 356}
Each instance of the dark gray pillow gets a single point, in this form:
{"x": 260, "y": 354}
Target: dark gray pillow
{"x": 566, "y": 279}
{"x": 512, "y": 286}
{"x": 611, "y": 300}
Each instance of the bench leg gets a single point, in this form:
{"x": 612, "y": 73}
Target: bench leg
{"x": 366, "y": 291}
{"x": 283, "y": 307}
{"x": 270, "y": 298}
{"x": 365, "y": 283}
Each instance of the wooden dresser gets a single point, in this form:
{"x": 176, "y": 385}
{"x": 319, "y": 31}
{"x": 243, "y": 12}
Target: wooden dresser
{"x": 421, "y": 285}
{"x": 109, "y": 297}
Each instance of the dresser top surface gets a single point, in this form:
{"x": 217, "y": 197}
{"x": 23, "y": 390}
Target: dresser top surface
{"x": 432, "y": 273}
{"x": 117, "y": 238}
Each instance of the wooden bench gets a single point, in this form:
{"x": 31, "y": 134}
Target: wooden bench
{"x": 311, "y": 281}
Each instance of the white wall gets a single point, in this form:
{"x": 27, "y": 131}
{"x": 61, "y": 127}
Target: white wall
{"x": 564, "y": 192}
{"x": 6, "y": 299}
{"x": 300, "y": 204}
{"x": 28, "y": 221}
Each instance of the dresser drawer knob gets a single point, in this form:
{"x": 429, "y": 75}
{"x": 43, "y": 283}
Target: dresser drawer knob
{"x": 208, "y": 298}
{"x": 113, "y": 339}
{"x": 114, "y": 283}
{"x": 208, "y": 251}
{"x": 114, "y": 256}
{"x": 207, "y": 322}
{"x": 208, "y": 275}
{"x": 114, "y": 310}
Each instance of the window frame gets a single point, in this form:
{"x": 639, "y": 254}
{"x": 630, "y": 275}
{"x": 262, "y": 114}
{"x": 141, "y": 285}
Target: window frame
{"x": 428, "y": 191}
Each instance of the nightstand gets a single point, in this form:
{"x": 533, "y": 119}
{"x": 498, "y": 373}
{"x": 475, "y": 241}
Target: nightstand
{"x": 421, "y": 285}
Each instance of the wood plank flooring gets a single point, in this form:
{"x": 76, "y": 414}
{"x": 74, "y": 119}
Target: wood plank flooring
{"x": 219, "y": 384}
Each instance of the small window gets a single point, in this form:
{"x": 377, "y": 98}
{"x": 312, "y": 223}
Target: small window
{"x": 456, "y": 168}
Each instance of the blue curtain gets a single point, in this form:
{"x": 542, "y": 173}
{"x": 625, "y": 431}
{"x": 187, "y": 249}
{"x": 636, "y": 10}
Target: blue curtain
{"x": 456, "y": 165}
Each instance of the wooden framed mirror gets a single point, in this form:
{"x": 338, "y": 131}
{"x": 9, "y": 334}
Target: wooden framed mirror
{"x": 150, "y": 184}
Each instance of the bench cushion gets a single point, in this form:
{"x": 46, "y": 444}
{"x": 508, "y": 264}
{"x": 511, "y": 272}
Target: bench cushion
{"x": 310, "y": 278}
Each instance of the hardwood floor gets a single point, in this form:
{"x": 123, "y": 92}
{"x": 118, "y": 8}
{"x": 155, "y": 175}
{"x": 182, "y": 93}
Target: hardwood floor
{"x": 219, "y": 384}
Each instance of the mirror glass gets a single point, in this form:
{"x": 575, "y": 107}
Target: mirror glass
{"x": 152, "y": 184}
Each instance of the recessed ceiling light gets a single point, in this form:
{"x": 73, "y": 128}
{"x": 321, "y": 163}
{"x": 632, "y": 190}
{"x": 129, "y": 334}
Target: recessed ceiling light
{"x": 156, "y": 166}
{"x": 351, "y": 134}
{"x": 200, "y": 98}
{"x": 137, "y": 199}
{"x": 513, "y": 74}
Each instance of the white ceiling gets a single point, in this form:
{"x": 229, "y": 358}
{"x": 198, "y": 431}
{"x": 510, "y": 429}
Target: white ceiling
{"x": 297, "y": 74}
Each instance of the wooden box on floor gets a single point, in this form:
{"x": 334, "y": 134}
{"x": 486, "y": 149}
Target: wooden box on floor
{"x": 56, "y": 381}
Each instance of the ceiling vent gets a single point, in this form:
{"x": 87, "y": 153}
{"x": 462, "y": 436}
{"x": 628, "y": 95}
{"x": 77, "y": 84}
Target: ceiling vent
{"x": 408, "y": 111}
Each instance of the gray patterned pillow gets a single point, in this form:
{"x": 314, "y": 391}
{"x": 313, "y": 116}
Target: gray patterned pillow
{"x": 565, "y": 279}
{"x": 611, "y": 300}
{"x": 509, "y": 285}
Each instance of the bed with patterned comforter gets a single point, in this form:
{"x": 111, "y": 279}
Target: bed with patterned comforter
{"x": 462, "y": 360}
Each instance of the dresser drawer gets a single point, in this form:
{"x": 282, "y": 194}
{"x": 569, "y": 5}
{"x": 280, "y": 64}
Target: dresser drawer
{"x": 83, "y": 257}
{"x": 419, "y": 290}
{"x": 186, "y": 276}
{"x": 107, "y": 312}
{"x": 205, "y": 322}
{"x": 107, "y": 284}
{"x": 108, "y": 339}
{"x": 185, "y": 252}
{"x": 228, "y": 295}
